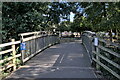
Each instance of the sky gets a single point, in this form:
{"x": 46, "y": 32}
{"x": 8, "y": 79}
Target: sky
{"x": 72, "y": 16}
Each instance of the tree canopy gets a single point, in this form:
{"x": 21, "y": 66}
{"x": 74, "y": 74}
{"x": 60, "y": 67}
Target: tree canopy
{"x": 19, "y": 17}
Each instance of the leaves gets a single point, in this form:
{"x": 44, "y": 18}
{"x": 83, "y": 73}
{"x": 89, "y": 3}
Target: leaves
{"x": 34, "y": 16}
{"x": 103, "y": 16}
{"x": 22, "y": 17}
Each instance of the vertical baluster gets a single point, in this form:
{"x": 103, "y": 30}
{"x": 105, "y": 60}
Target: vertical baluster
{"x": 22, "y": 51}
{"x": 97, "y": 51}
{"x": 13, "y": 55}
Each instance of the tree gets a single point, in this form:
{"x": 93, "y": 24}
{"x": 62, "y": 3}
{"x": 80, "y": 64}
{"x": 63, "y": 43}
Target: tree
{"x": 103, "y": 16}
{"x": 64, "y": 26}
{"x": 58, "y": 11}
{"x": 23, "y": 17}
{"x": 0, "y": 22}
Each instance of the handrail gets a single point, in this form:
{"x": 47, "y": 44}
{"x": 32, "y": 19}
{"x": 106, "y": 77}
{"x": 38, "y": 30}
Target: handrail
{"x": 108, "y": 42}
{"x": 97, "y": 54}
{"x": 9, "y": 44}
{"x": 30, "y": 33}
{"x": 34, "y": 44}
{"x": 109, "y": 51}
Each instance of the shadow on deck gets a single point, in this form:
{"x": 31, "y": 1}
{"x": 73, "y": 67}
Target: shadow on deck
{"x": 65, "y": 60}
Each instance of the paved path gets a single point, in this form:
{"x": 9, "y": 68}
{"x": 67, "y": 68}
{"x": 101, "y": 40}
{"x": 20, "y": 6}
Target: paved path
{"x": 65, "y": 60}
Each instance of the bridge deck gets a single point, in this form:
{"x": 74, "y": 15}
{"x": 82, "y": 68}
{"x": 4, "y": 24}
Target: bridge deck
{"x": 65, "y": 60}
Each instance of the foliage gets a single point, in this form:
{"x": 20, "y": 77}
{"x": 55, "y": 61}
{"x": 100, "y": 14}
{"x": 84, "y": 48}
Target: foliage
{"x": 64, "y": 26}
{"x": 22, "y": 17}
{"x": 35, "y": 16}
{"x": 103, "y": 16}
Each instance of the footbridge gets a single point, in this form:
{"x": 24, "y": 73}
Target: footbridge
{"x": 41, "y": 55}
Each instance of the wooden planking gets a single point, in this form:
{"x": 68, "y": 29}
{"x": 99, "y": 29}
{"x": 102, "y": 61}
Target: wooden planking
{"x": 30, "y": 33}
{"x": 9, "y": 44}
{"x": 109, "y": 51}
{"x": 105, "y": 58}
{"x": 18, "y": 55}
{"x": 7, "y": 59}
{"x": 107, "y": 68}
{"x": 109, "y": 61}
{"x": 8, "y": 66}
{"x": 34, "y": 37}
{"x": 6, "y": 51}
{"x": 111, "y": 43}
{"x": 10, "y": 58}
{"x": 102, "y": 40}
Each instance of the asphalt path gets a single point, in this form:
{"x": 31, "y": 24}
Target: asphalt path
{"x": 65, "y": 60}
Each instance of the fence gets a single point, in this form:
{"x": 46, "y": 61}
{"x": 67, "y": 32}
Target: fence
{"x": 34, "y": 41}
{"x": 87, "y": 39}
{"x": 102, "y": 55}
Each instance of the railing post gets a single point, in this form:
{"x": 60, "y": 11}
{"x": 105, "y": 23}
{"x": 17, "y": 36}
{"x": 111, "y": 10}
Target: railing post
{"x": 96, "y": 41}
{"x": 13, "y": 55}
{"x": 35, "y": 35}
{"x": 97, "y": 58}
{"x": 22, "y": 51}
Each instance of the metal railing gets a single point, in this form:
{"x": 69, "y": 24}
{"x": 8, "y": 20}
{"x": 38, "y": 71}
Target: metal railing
{"x": 102, "y": 55}
{"x": 34, "y": 43}
{"x": 87, "y": 39}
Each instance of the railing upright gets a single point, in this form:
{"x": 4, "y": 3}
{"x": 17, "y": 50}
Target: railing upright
{"x": 101, "y": 54}
{"x": 13, "y": 55}
{"x": 32, "y": 43}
